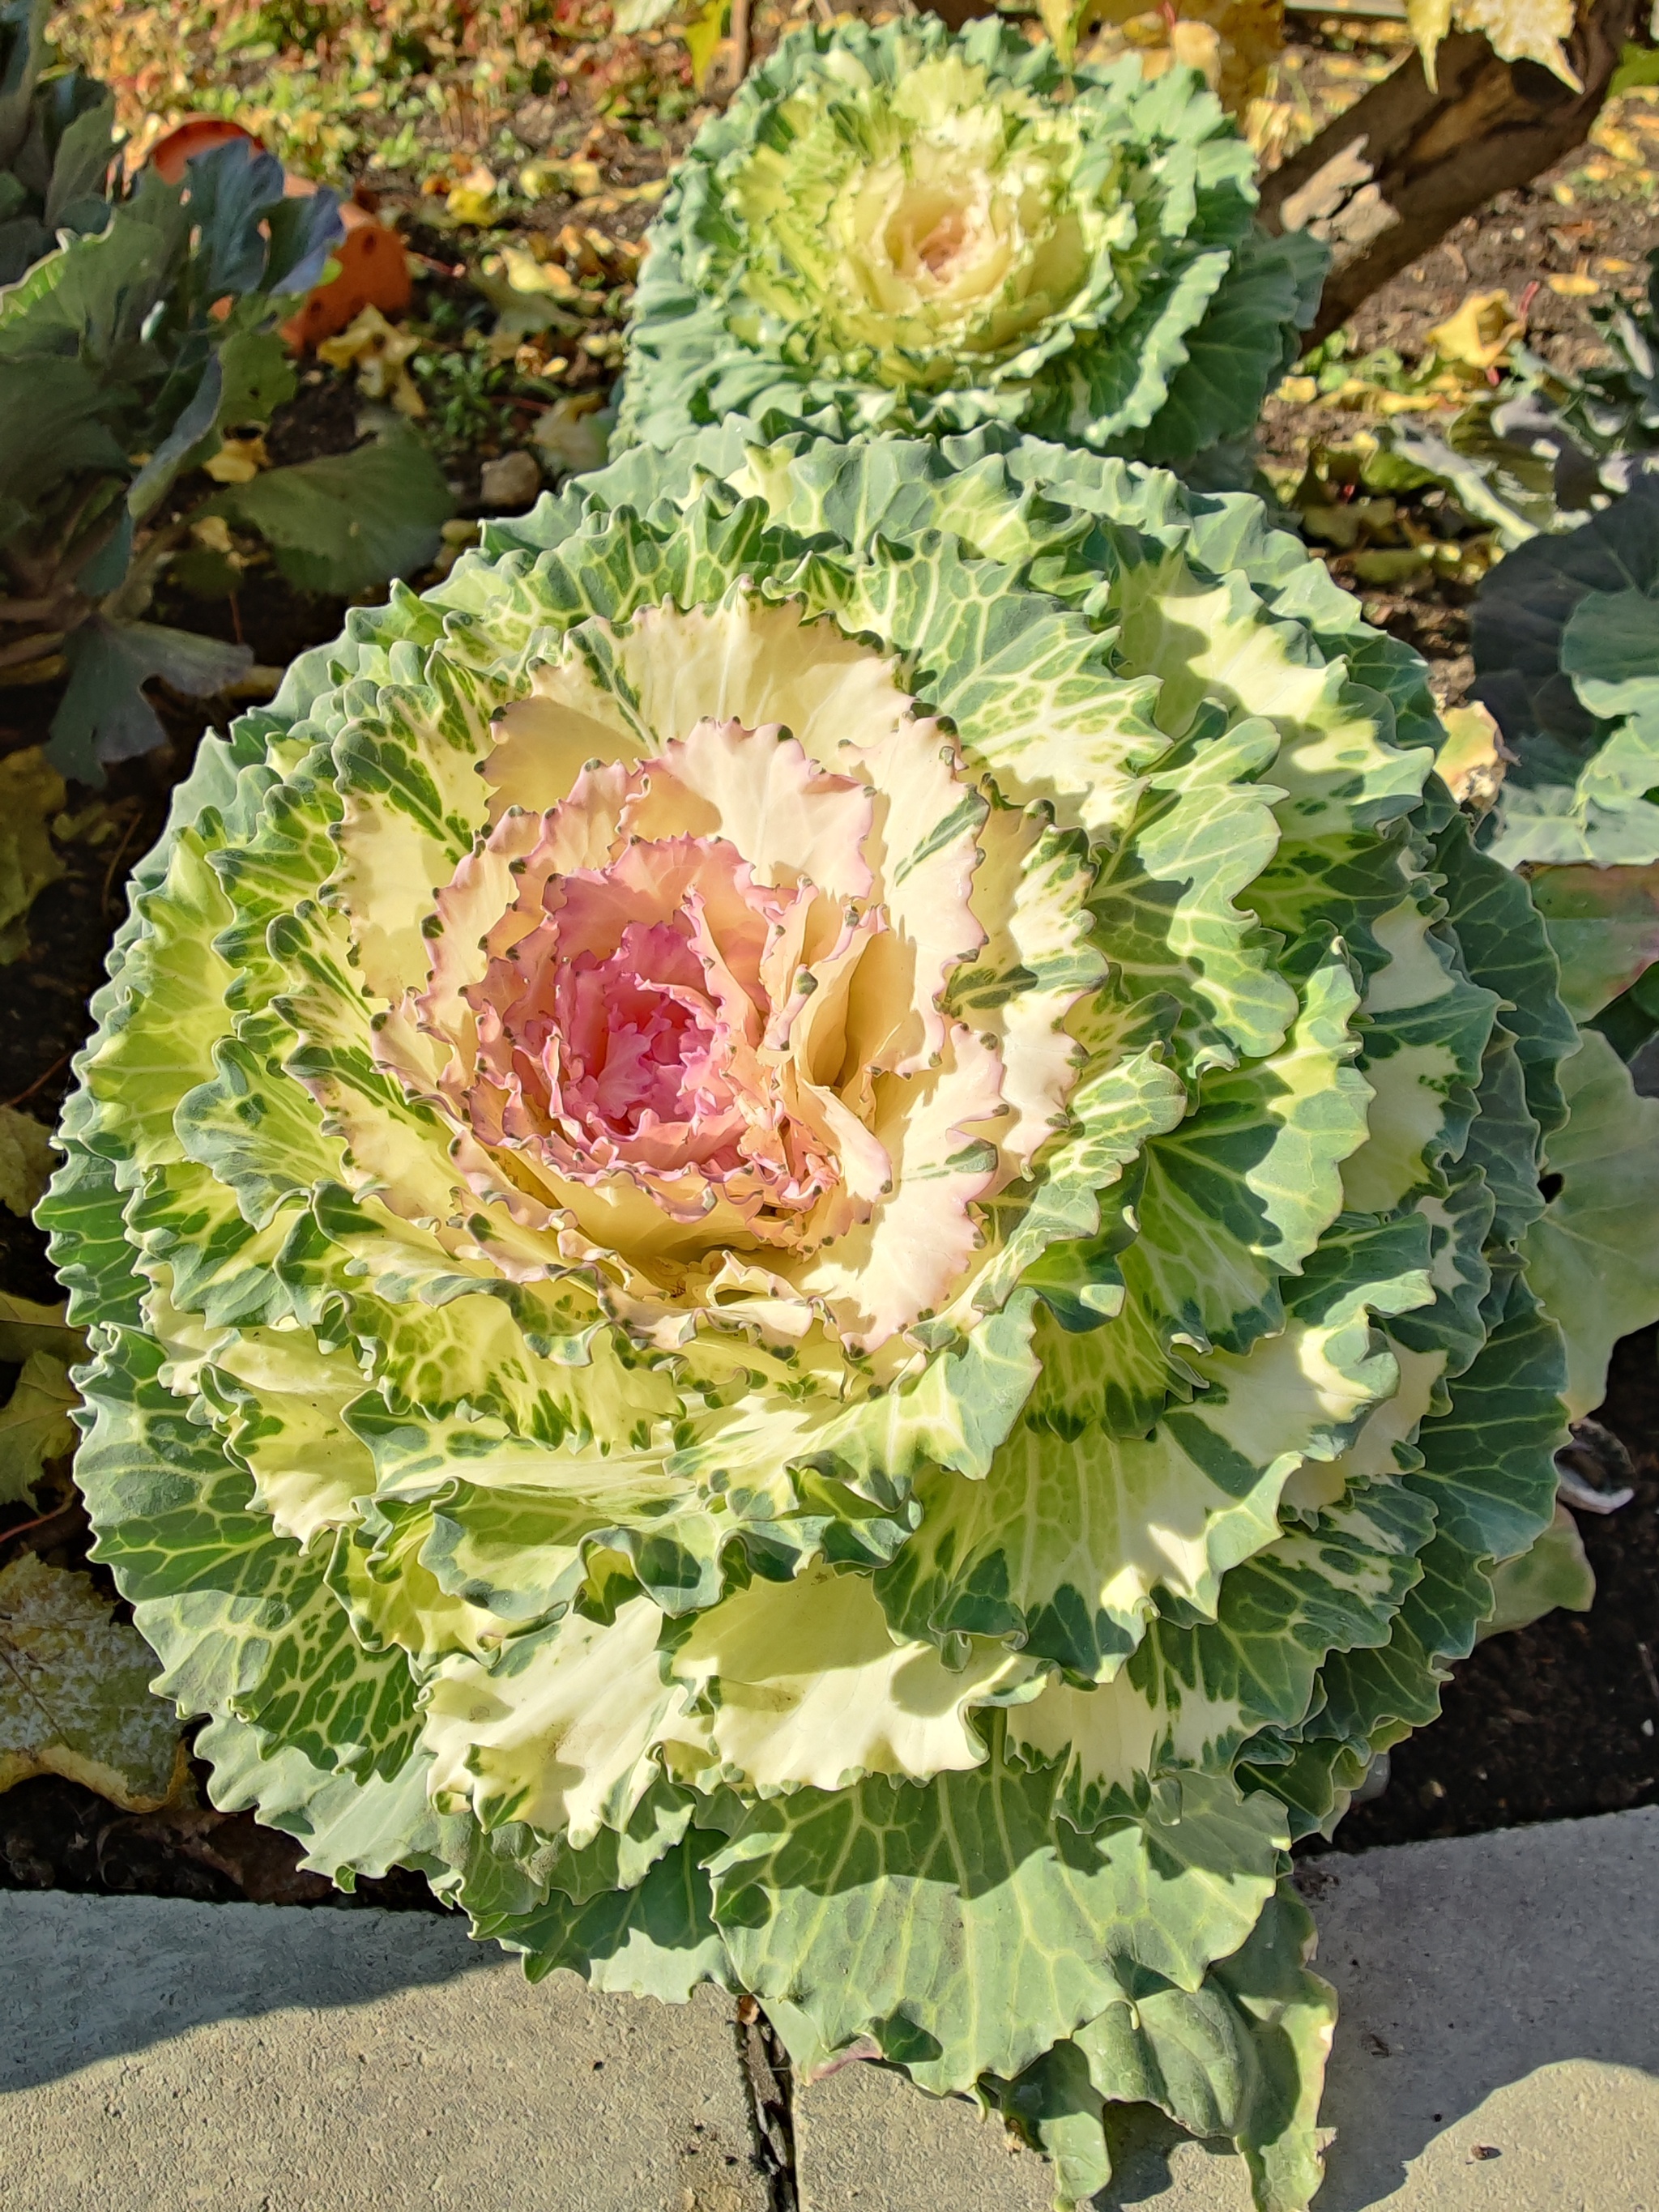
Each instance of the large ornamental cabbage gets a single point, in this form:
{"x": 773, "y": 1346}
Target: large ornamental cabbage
{"x": 805, "y": 1216}
{"x": 897, "y": 229}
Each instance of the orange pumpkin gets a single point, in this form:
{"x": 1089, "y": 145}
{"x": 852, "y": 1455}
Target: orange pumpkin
{"x": 374, "y": 273}
{"x": 196, "y": 134}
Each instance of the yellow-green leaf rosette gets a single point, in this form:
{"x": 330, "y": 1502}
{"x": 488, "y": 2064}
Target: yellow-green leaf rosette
{"x": 902, "y": 230}
{"x": 801, "y": 1217}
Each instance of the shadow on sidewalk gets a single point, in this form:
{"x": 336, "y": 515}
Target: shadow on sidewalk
{"x": 88, "y": 1978}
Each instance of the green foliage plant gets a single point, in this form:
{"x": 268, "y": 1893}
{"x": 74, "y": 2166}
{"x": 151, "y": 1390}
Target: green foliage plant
{"x": 1565, "y": 639}
{"x": 877, "y": 1351}
{"x": 128, "y": 349}
{"x": 901, "y": 229}
{"x": 1546, "y": 450}
{"x": 55, "y": 140}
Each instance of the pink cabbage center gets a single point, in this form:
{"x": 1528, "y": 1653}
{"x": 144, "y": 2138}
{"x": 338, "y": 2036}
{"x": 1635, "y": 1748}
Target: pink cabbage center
{"x": 666, "y": 1017}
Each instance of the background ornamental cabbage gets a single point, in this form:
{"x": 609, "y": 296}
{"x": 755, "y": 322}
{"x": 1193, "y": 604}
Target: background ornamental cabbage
{"x": 806, "y": 1217}
{"x": 902, "y": 230}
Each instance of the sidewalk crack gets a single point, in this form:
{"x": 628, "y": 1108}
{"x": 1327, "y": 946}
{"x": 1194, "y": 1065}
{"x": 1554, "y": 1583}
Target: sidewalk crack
{"x": 769, "y": 2081}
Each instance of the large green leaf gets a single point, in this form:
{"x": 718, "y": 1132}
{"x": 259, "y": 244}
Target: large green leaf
{"x": 1240, "y": 2057}
{"x": 962, "y": 1929}
{"x": 348, "y": 522}
{"x": 1592, "y": 1255}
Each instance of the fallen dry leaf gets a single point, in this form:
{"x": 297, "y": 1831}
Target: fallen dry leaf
{"x": 26, "y": 1160}
{"x": 381, "y": 354}
{"x": 1573, "y": 288}
{"x": 237, "y": 461}
{"x": 1479, "y": 333}
{"x": 27, "y": 1327}
{"x": 570, "y": 436}
{"x": 75, "y": 1695}
{"x": 31, "y": 792}
{"x": 621, "y": 195}
{"x": 35, "y": 1425}
{"x": 473, "y": 200}
{"x": 1472, "y": 760}
{"x": 511, "y": 483}
{"x": 529, "y": 296}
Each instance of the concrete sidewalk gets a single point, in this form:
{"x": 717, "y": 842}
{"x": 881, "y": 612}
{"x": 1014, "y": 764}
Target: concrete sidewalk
{"x": 1498, "y": 2051}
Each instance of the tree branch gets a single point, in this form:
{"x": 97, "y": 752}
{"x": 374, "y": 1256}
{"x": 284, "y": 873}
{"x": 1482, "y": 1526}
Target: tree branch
{"x": 1384, "y": 183}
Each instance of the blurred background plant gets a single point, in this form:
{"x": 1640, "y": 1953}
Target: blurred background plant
{"x": 133, "y": 352}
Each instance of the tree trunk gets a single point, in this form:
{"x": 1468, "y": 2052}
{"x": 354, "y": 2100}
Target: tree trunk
{"x": 1384, "y": 183}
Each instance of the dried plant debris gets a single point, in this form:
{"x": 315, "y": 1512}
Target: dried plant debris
{"x": 75, "y": 1692}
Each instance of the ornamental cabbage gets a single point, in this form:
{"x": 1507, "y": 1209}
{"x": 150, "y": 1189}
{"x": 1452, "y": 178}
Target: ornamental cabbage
{"x": 902, "y": 230}
{"x": 801, "y": 1213}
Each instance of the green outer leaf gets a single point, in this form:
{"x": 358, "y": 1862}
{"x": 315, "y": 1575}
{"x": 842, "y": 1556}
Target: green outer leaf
{"x": 964, "y": 1931}
{"x": 1603, "y": 925}
{"x": 1082, "y": 1524}
{"x": 1247, "y": 2053}
{"x": 1242, "y": 2057}
{"x": 1189, "y": 1695}
{"x": 1489, "y": 1473}
{"x": 1555, "y": 1572}
{"x": 654, "y": 1939}
{"x": 1247, "y": 338}
{"x": 241, "y": 1620}
{"x": 1592, "y": 1255}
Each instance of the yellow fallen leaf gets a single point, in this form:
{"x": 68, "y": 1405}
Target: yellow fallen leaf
{"x": 473, "y": 200}
{"x": 1414, "y": 403}
{"x": 628, "y": 196}
{"x": 381, "y": 354}
{"x": 1479, "y": 333}
{"x": 537, "y": 180}
{"x": 580, "y": 178}
{"x": 1611, "y": 265}
{"x": 526, "y": 274}
{"x": 1617, "y": 142}
{"x": 702, "y": 36}
{"x": 213, "y": 531}
{"x": 1574, "y": 288}
{"x": 1298, "y": 390}
{"x": 237, "y": 461}
{"x": 528, "y": 295}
